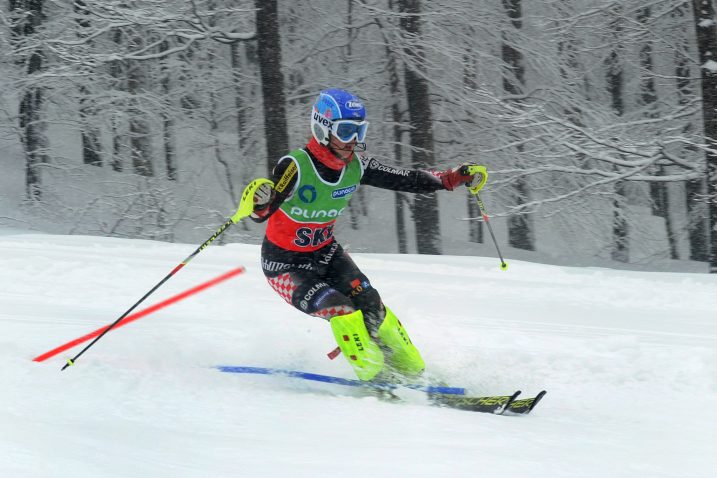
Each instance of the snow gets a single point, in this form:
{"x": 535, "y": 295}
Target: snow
{"x": 710, "y": 65}
{"x": 628, "y": 359}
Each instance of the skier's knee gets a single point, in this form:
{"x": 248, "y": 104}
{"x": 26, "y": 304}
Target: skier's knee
{"x": 366, "y": 298}
{"x": 321, "y": 300}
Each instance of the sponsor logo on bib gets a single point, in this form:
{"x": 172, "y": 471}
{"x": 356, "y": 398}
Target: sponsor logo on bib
{"x": 315, "y": 213}
{"x": 307, "y": 194}
{"x": 343, "y": 192}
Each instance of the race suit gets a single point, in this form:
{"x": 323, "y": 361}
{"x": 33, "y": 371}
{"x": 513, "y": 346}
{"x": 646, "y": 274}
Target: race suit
{"x": 300, "y": 257}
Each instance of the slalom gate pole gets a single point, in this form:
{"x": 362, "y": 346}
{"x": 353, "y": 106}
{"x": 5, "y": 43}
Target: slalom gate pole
{"x": 246, "y": 207}
{"x": 481, "y": 177}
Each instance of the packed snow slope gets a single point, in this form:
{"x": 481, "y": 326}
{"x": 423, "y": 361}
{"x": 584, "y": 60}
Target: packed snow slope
{"x": 628, "y": 359}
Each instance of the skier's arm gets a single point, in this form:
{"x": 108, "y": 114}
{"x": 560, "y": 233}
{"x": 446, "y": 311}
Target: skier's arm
{"x": 412, "y": 180}
{"x": 267, "y": 199}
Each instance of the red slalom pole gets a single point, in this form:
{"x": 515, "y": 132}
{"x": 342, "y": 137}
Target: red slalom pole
{"x": 140, "y": 314}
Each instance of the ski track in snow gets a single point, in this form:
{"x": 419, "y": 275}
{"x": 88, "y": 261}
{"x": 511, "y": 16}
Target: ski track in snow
{"x": 628, "y": 359}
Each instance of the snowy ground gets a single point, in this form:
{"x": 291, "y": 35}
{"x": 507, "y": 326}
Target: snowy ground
{"x": 628, "y": 358}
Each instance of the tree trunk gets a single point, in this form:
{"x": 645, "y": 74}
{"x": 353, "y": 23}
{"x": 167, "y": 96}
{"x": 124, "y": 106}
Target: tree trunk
{"x": 168, "y": 136}
{"x": 32, "y": 125}
{"x": 357, "y": 207}
{"x": 659, "y": 193}
{"x": 695, "y": 190}
{"x": 425, "y": 206}
{"x": 91, "y": 146}
{"x": 475, "y": 228}
{"x": 396, "y": 118}
{"x": 520, "y": 228}
{"x": 33, "y": 131}
{"x": 117, "y": 70}
{"x": 620, "y": 232}
{"x": 615, "y": 84}
{"x": 139, "y": 129}
{"x": 238, "y": 96}
{"x": 168, "y": 126}
{"x": 698, "y": 220}
{"x": 704, "y": 14}
{"x": 272, "y": 81}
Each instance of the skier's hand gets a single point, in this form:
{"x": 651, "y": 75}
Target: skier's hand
{"x": 453, "y": 178}
{"x": 262, "y": 200}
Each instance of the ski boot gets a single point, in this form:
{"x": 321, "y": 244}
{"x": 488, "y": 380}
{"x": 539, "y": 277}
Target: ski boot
{"x": 361, "y": 351}
{"x": 402, "y": 356}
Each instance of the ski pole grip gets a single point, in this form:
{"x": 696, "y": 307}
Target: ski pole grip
{"x": 246, "y": 205}
{"x": 480, "y": 177}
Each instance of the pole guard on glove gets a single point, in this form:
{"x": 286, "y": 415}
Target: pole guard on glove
{"x": 473, "y": 176}
{"x": 246, "y": 205}
{"x": 480, "y": 177}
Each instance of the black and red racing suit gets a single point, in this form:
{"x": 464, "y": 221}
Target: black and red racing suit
{"x": 326, "y": 282}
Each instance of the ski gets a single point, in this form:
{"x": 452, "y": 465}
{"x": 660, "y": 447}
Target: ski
{"x": 525, "y": 405}
{"x": 349, "y": 382}
{"x": 495, "y": 404}
{"x": 449, "y": 397}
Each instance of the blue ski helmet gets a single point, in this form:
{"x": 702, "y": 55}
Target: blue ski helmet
{"x": 339, "y": 113}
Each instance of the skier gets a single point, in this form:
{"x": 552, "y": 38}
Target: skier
{"x": 302, "y": 260}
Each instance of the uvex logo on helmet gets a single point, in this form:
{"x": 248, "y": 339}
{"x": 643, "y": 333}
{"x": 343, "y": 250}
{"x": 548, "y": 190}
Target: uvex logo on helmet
{"x": 319, "y": 118}
{"x": 354, "y": 105}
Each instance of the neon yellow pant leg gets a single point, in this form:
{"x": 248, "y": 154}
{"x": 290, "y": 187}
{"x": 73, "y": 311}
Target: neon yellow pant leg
{"x": 358, "y": 347}
{"x": 404, "y": 355}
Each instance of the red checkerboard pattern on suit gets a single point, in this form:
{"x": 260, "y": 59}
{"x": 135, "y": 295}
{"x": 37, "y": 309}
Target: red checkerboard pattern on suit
{"x": 283, "y": 285}
{"x": 329, "y": 312}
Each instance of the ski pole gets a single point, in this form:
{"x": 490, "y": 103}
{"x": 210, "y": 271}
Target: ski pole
{"x": 481, "y": 175}
{"x": 246, "y": 206}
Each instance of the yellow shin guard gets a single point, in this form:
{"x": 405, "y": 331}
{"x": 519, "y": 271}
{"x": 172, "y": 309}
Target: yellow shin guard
{"x": 358, "y": 347}
{"x": 405, "y": 357}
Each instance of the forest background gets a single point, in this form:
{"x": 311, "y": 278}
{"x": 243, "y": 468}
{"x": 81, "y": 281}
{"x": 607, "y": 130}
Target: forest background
{"x": 596, "y": 119}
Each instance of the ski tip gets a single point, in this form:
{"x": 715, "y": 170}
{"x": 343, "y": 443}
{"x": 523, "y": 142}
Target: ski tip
{"x": 537, "y": 398}
{"x": 522, "y": 406}
{"x": 507, "y": 405}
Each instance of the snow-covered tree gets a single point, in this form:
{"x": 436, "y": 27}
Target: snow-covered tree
{"x": 588, "y": 114}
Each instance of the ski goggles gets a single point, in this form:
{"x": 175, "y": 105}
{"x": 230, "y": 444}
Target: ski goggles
{"x": 346, "y": 130}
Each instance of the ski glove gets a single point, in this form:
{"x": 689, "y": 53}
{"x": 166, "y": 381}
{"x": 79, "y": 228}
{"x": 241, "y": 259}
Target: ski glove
{"x": 453, "y": 178}
{"x": 262, "y": 200}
